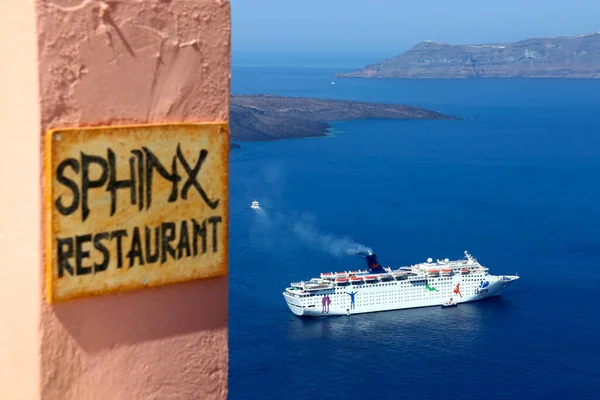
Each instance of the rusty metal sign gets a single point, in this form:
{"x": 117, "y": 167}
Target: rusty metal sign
{"x": 134, "y": 207}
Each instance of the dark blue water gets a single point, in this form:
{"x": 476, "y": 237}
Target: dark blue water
{"x": 517, "y": 183}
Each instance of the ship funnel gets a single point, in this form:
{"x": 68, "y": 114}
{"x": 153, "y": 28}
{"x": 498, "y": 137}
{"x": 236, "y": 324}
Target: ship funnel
{"x": 374, "y": 265}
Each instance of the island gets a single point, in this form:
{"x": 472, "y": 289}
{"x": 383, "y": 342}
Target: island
{"x": 553, "y": 57}
{"x": 270, "y": 118}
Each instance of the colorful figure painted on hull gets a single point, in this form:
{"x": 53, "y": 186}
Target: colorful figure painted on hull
{"x": 430, "y": 288}
{"x": 352, "y": 294}
{"x": 482, "y": 289}
{"x": 457, "y": 290}
{"x": 325, "y": 303}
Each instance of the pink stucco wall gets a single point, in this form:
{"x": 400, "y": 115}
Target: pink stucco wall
{"x": 123, "y": 62}
{"x": 19, "y": 203}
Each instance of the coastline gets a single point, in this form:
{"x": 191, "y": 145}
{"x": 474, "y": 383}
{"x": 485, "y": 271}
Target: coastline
{"x": 255, "y": 118}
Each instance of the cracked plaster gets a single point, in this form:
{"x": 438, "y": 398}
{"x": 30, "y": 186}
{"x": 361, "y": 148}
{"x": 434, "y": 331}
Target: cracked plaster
{"x": 124, "y": 62}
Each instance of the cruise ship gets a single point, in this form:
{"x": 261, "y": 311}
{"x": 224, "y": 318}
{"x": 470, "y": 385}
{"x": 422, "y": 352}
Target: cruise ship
{"x": 383, "y": 289}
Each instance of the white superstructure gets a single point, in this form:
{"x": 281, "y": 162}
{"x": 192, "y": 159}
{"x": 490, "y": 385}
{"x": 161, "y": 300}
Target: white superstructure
{"x": 382, "y": 289}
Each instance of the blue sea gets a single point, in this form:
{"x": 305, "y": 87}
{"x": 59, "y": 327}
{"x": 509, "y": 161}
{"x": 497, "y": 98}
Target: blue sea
{"x": 516, "y": 182}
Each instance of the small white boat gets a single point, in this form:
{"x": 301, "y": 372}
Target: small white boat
{"x": 449, "y": 303}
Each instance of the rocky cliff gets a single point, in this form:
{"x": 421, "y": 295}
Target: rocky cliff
{"x": 556, "y": 57}
{"x": 266, "y": 117}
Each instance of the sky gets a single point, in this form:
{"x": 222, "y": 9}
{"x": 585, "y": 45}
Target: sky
{"x": 388, "y": 27}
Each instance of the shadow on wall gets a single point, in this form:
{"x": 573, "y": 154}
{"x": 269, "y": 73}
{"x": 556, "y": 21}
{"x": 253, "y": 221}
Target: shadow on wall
{"x": 106, "y": 322}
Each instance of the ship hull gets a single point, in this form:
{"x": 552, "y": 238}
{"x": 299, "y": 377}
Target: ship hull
{"x": 396, "y": 296}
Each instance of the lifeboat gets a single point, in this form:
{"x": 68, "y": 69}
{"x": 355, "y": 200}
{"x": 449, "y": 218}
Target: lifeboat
{"x": 433, "y": 271}
{"x": 465, "y": 270}
{"x": 327, "y": 275}
{"x": 356, "y": 279}
{"x": 370, "y": 278}
{"x": 341, "y": 280}
{"x": 341, "y": 275}
{"x": 446, "y": 271}
{"x": 401, "y": 275}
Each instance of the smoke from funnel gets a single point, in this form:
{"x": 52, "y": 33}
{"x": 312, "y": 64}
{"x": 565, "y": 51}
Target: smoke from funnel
{"x": 270, "y": 225}
{"x": 306, "y": 231}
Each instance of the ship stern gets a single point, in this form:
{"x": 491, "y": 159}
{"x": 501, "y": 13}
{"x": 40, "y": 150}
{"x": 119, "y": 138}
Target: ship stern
{"x": 294, "y": 304}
